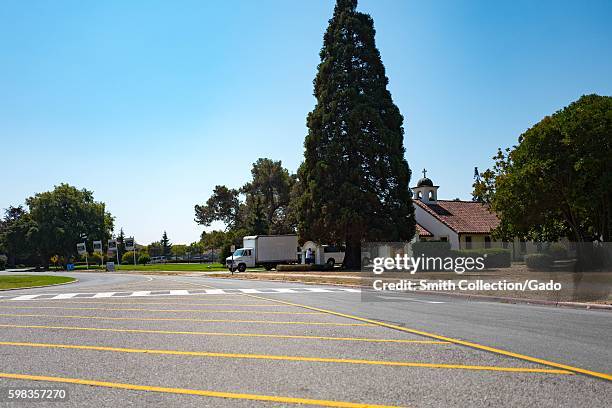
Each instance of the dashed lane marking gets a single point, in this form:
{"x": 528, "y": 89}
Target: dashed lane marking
{"x": 199, "y": 333}
{"x": 205, "y": 393}
{"x": 181, "y": 292}
{"x": 177, "y": 319}
{"x": 287, "y": 358}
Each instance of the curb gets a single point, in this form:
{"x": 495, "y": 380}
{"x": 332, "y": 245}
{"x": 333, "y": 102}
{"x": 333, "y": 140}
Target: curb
{"x": 41, "y": 286}
{"x": 468, "y": 297}
{"x": 501, "y": 299}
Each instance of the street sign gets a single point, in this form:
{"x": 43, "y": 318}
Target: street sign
{"x": 97, "y": 246}
{"x": 129, "y": 244}
{"x": 81, "y": 248}
{"x": 112, "y": 245}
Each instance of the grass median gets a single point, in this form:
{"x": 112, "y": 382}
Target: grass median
{"x": 25, "y": 281}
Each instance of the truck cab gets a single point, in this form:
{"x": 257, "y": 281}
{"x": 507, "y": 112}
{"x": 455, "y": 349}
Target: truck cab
{"x": 241, "y": 259}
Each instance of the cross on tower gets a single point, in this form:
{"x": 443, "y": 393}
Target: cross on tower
{"x": 424, "y": 173}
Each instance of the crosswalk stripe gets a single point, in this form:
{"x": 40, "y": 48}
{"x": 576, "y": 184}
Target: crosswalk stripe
{"x": 178, "y": 292}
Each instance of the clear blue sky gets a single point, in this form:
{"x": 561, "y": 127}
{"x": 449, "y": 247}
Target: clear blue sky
{"x": 151, "y": 103}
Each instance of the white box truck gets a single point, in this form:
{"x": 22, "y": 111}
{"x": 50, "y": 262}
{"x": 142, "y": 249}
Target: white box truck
{"x": 264, "y": 250}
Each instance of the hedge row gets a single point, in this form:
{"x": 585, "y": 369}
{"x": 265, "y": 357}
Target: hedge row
{"x": 302, "y": 268}
{"x": 493, "y": 257}
{"x": 539, "y": 262}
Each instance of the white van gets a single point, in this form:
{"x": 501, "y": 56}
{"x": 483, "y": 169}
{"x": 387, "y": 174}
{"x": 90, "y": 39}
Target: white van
{"x": 333, "y": 255}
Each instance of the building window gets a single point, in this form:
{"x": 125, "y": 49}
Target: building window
{"x": 468, "y": 242}
{"x": 443, "y": 239}
{"x": 487, "y": 242}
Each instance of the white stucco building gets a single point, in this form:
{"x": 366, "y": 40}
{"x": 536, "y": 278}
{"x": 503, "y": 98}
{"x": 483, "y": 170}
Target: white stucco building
{"x": 465, "y": 224}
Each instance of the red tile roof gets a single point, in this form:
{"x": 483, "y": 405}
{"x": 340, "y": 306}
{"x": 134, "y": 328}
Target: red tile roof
{"x": 463, "y": 217}
{"x": 423, "y": 231}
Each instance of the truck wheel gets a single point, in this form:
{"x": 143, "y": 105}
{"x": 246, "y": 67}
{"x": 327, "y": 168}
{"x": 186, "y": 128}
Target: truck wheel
{"x": 268, "y": 267}
{"x": 231, "y": 270}
{"x": 241, "y": 267}
{"x": 330, "y": 263}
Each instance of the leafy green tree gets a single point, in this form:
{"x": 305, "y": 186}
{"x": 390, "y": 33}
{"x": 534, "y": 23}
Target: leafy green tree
{"x": 61, "y": 217}
{"x": 271, "y": 184}
{"x": 128, "y": 258}
{"x": 214, "y": 239}
{"x": 355, "y": 177}
{"x": 155, "y": 249}
{"x": 257, "y": 221}
{"x": 166, "y": 246}
{"x": 268, "y": 193}
{"x": 557, "y": 182}
{"x": 14, "y": 232}
{"x": 179, "y": 250}
{"x": 223, "y": 205}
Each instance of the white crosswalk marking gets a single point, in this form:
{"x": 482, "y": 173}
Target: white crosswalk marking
{"x": 104, "y": 295}
{"x": 141, "y": 293}
{"x": 179, "y": 293}
{"x": 25, "y": 297}
{"x": 66, "y": 296}
{"x": 146, "y": 293}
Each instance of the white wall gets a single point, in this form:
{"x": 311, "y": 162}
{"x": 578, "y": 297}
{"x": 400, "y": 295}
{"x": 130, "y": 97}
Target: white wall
{"x": 433, "y": 225}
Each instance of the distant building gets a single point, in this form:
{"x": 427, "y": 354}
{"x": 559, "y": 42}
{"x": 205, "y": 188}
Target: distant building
{"x": 465, "y": 224}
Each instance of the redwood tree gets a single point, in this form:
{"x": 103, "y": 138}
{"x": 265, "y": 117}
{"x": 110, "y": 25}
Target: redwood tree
{"x": 354, "y": 179}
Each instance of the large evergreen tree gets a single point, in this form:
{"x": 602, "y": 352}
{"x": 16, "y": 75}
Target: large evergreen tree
{"x": 354, "y": 178}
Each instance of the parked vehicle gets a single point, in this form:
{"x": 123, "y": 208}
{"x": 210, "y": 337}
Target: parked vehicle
{"x": 264, "y": 250}
{"x": 324, "y": 254}
{"x": 333, "y": 255}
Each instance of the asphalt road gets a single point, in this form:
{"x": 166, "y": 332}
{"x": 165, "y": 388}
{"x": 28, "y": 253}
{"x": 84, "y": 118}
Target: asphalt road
{"x": 121, "y": 340}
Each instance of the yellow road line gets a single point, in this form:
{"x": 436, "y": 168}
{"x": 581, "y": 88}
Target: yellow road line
{"x": 205, "y": 393}
{"x": 160, "y": 310}
{"x": 148, "y": 303}
{"x": 289, "y": 358}
{"x": 260, "y": 335}
{"x": 173, "y": 319}
{"x": 449, "y": 339}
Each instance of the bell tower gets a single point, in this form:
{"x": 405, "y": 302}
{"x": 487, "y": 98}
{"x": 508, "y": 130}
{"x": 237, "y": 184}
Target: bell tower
{"x": 425, "y": 190}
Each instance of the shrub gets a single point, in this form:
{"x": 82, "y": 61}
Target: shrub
{"x": 2, "y": 262}
{"x": 431, "y": 248}
{"x": 495, "y": 257}
{"x": 144, "y": 259}
{"x": 539, "y": 262}
{"x": 557, "y": 250}
{"x": 95, "y": 258}
{"x": 128, "y": 258}
{"x": 302, "y": 267}
{"x": 296, "y": 268}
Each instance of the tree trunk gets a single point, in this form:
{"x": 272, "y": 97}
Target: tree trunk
{"x": 352, "y": 256}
